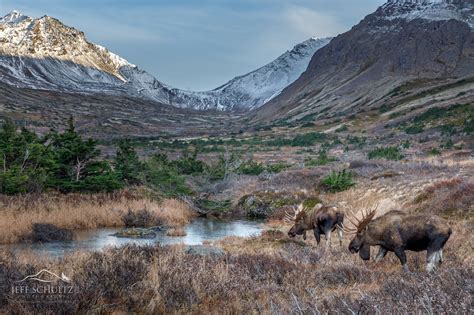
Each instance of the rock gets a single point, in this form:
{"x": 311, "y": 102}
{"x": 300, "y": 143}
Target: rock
{"x": 263, "y": 204}
{"x": 265, "y": 175}
{"x": 136, "y": 233}
{"x": 203, "y": 250}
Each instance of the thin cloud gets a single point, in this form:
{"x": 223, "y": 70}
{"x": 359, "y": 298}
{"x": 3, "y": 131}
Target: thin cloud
{"x": 313, "y": 23}
{"x": 200, "y": 44}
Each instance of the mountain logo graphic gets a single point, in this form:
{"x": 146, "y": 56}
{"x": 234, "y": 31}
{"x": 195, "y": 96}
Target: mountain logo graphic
{"x": 46, "y": 276}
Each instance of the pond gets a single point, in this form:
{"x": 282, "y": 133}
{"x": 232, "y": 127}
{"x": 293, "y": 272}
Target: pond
{"x": 197, "y": 232}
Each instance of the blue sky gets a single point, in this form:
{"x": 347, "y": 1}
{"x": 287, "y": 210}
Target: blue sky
{"x": 200, "y": 44}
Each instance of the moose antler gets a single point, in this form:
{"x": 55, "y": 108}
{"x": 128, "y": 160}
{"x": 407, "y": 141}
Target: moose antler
{"x": 359, "y": 225}
{"x": 291, "y": 217}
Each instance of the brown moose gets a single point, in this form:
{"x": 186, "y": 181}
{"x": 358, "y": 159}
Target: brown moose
{"x": 397, "y": 232}
{"x": 321, "y": 219}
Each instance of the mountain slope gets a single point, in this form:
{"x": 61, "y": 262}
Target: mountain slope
{"x": 43, "y": 53}
{"x": 394, "y": 54}
{"x": 105, "y": 116}
{"x": 257, "y": 87}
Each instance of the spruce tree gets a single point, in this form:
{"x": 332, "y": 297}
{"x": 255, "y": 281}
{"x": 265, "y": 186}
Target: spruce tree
{"x": 127, "y": 165}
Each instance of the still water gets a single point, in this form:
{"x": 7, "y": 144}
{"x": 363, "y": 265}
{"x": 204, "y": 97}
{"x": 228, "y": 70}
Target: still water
{"x": 196, "y": 232}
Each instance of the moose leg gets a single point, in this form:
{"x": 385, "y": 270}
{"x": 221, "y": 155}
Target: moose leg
{"x": 431, "y": 259}
{"x": 400, "y": 252}
{"x": 304, "y": 235}
{"x": 381, "y": 254}
{"x": 434, "y": 253}
{"x": 328, "y": 238}
{"x": 317, "y": 235}
{"x": 339, "y": 234}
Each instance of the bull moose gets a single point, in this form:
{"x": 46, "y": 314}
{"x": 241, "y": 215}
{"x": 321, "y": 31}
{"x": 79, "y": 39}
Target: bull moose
{"x": 397, "y": 232}
{"x": 321, "y": 219}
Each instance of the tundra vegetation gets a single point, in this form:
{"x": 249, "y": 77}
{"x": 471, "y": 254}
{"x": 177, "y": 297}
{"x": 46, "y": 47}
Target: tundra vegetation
{"x": 76, "y": 183}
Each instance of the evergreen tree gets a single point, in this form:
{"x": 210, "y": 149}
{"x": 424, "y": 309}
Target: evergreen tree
{"x": 25, "y": 160}
{"x": 127, "y": 164}
{"x": 77, "y": 166}
{"x": 160, "y": 174}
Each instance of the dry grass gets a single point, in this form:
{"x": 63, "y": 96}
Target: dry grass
{"x": 266, "y": 274}
{"x": 77, "y": 211}
{"x": 451, "y": 198}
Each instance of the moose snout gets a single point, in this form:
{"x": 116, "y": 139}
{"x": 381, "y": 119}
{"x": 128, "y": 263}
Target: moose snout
{"x": 291, "y": 234}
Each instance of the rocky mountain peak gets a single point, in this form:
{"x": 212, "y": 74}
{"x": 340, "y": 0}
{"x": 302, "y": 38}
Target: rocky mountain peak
{"x": 403, "y": 43}
{"x": 419, "y": 1}
{"x": 433, "y": 10}
{"x": 48, "y": 37}
{"x": 44, "y": 53}
{"x": 13, "y": 17}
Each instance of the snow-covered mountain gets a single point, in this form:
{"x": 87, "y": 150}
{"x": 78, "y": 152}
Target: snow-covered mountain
{"x": 43, "y": 53}
{"x": 254, "y": 89}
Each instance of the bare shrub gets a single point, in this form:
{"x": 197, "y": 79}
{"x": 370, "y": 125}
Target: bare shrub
{"x": 44, "y": 232}
{"x": 140, "y": 218}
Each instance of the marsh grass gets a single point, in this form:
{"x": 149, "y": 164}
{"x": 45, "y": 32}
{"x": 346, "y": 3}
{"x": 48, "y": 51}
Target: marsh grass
{"x": 82, "y": 211}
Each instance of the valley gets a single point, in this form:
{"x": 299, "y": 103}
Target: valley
{"x": 146, "y": 198}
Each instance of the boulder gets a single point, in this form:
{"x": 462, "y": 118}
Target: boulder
{"x": 136, "y": 233}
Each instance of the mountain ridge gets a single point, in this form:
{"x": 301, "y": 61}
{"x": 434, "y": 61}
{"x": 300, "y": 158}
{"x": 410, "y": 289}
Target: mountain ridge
{"x": 361, "y": 68}
{"x": 48, "y": 39}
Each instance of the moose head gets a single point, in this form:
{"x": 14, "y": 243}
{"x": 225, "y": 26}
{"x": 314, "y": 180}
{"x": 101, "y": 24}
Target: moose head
{"x": 359, "y": 243}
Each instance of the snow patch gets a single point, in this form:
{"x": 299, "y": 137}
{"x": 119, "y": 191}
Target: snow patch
{"x": 47, "y": 54}
{"x": 434, "y": 10}
{"x": 13, "y": 17}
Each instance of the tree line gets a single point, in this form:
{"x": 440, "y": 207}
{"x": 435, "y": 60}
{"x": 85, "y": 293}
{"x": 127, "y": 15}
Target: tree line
{"x": 67, "y": 162}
